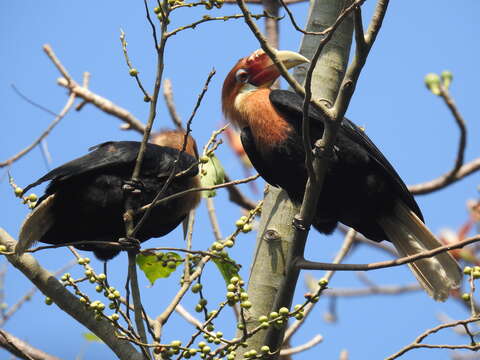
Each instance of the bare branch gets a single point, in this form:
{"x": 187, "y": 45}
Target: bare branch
{"x": 168, "y": 96}
{"x": 377, "y": 290}
{"x": 416, "y": 344}
{"x": 207, "y": 18}
{"x": 445, "y": 180}
{"x": 59, "y": 117}
{"x": 104, "y": 104}
{"x": 214, "y": 220}
{"x": 66, "y": 301}
{"x": 317, "y": 339}
{"x": 305, "y": 264}
{"x": 132, "y": 71}
{"x": 459, "y": 170}
{"x": 22, "y": 349}
{"x": 187, "y": 316}
{"x": 342, "y": 252}
{"x": 100, "y": 102}
{"x": 15, "y": 307}
{"x": 206, "y": 188}
{"x": 237, "y": 197}
{"x": 49, "y": 51}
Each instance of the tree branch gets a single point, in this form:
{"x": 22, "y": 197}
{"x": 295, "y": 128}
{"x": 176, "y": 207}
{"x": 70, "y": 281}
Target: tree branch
{"x": 445, "y": 180}
{"x": 66, "y": 301}
{"x": 90, "y": 97}
{"x": 21, "y": 349}
{"x": 305, "y": 264}
{"x": 60, "y": 116}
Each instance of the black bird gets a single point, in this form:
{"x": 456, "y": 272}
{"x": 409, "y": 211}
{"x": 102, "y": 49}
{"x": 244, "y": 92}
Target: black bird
{"x": 361, "y": 189}
{"x": 85, "y": 199}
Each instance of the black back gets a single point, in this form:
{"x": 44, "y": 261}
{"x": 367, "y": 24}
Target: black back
{"x": 360, "y": 186}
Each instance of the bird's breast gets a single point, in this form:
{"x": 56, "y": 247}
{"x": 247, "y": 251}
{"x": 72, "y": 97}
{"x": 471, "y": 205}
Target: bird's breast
{"x": 255, "y": 111}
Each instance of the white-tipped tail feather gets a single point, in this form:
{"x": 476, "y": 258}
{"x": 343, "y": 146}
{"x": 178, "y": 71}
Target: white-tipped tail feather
{"x": 35, "y": 225}
{"x": 439, "y": 274}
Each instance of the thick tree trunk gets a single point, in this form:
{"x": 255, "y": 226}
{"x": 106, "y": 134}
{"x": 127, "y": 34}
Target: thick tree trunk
{"x": 274, "y": 239}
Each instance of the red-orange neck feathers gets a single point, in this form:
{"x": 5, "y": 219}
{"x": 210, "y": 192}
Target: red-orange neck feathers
{"x": 245, "y": 96}
{"x": 248, "y": 106}
{"x": 253, "y": 109}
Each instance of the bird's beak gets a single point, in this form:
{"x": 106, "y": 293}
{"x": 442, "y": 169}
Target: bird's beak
{"x": 264, "y": 72}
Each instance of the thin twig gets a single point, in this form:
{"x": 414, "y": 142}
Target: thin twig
{"x": 317, "y": 339}
{"x": 416, "y": 344}
{"x": 104, "y": 104}
{"x": 445, "y": 180}
{"x": 133, "y": 72}
{"x": 207, "y": 18}
{"x": 458, "y": 170}
{"x": 162, "y": 318}
{"x": 49, "y": 51}
{"x": 342, "y": 252}
{"x": 205, "y": 188}
{"x": 172, "y": 109}
{"x": 85, "y": 83}
{"x": 212, "y": 215}
{"x": 15, "y": 307}
{"x": 154, "y": 29}
{"x": 22, "y": 349}
{"x": 137, "y": 303}
{"x": 60, "y": 116}
{"x": 172, "y": 174}
{"x": 66, "y": 301}
{"x": 305, "y": 264}
{"x": 187, "y": 316}
{"x": 31, "y": 102}
{"x": 377, "y": 290}
{"x": 237, "y": 197}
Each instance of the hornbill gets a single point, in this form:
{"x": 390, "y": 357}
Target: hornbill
{"x": 85, "y": 200}
{"x": 361, "y": 188}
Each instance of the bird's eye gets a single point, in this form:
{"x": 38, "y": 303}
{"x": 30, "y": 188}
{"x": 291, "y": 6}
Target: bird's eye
{"x": 242, "y": 76}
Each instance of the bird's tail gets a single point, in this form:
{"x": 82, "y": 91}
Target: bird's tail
{"x": 36, "y": 224}
{"x": 439, "y": 274}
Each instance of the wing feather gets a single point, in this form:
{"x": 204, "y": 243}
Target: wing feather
{"x": 290, "y": 105}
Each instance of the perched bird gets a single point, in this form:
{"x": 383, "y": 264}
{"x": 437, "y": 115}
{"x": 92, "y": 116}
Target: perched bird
{"x": 85, "y": 200}
{"x": 361, "y": 189}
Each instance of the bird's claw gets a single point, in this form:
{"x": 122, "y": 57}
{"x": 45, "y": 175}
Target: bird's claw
{"x": 298, "y": 223}
{"x": 129, "y": 243}
{"x": 133, "y": 186}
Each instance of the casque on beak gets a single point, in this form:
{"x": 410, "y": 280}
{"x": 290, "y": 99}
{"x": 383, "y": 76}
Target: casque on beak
{"x": 263, "y": 72}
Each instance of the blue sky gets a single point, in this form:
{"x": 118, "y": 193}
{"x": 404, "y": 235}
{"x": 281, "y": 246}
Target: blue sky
{"x": 411, "y": 126}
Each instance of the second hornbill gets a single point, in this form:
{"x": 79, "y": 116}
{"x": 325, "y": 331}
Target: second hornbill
{"x": 361, "y": 189}
{"x": 85, "y": 200}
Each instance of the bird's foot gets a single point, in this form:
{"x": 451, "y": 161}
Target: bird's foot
{"x": 129, "y": 243}
{"x": 133, "y": 186}
{"x": 298, "y": 223}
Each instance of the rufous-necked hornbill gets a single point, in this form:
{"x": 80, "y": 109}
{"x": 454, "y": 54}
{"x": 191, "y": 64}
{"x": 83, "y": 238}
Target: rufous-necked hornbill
{"x": 85, "y": 200}
{"x": 361, "y": 189}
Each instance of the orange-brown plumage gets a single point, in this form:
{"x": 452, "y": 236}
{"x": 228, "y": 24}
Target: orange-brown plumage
{"x": 175, "y": 140}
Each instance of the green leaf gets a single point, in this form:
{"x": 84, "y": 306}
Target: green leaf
{"x": 91, "y": 337}
{"x": 227, "y": 268}
{"x": 157, "y": 265}
{"x": 212, "y": 174}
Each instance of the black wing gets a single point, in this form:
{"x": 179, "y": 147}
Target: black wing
{"x": 121, "y": 156}
{"x": 290, "y": 105}
{"x": 257, "y": 161}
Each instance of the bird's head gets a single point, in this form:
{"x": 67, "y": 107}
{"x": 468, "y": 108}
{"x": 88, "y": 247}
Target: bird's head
{"x": 256, "y": 71}
{"x": 174, "y": 139}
